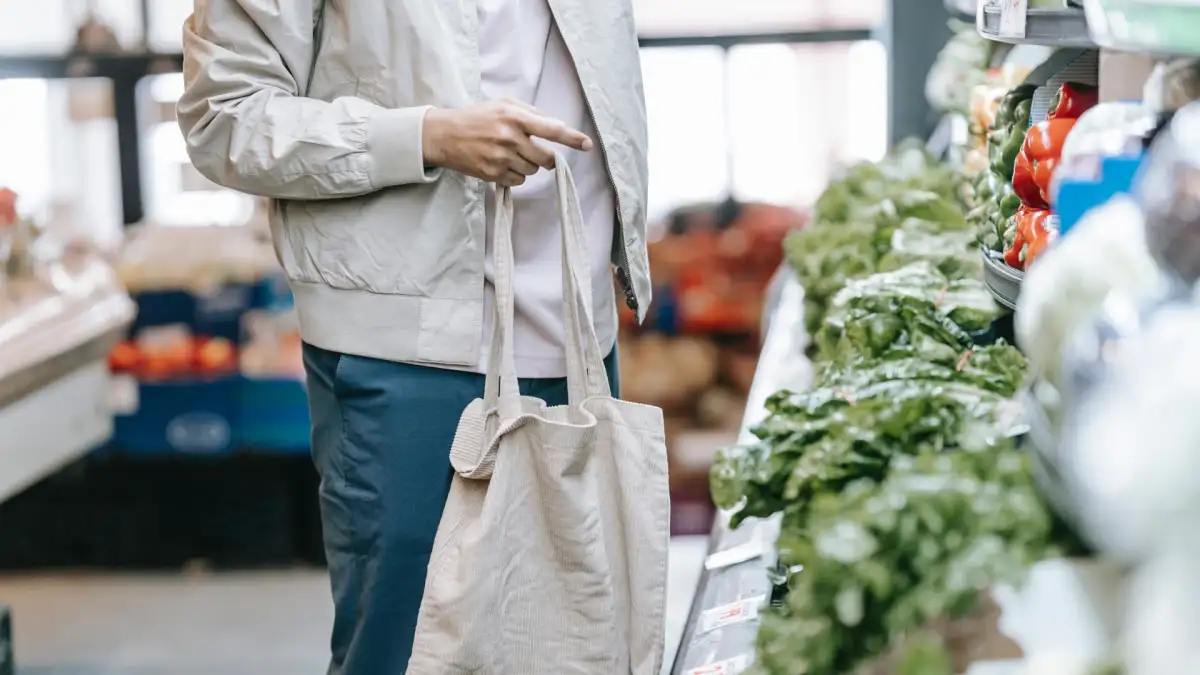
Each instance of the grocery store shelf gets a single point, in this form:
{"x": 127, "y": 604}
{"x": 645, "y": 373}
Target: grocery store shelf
{"x": 1049, "y": 27}
{"x": 821, "y": 36}
{"x": 1162, "y": 27}
{"x": 112, "y": 66}
{"x": 738, "y": 559}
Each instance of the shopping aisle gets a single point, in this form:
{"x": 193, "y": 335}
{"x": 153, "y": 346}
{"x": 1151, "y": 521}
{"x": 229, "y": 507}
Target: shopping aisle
{"x": 262, "y": 623}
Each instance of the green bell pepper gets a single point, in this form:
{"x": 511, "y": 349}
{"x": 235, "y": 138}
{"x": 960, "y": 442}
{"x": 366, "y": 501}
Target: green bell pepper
{"x": 1007, "y": 201}
{"x": 1010, "y": 146}
{"x": 1006, "y": 112}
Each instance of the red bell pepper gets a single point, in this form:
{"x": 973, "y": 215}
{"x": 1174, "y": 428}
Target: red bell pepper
{"x": 1031, "y": 238}
{"x": 1023, "y": 186}
{"x": 1039, "y": 158}
{"x": 1072, "y": 100}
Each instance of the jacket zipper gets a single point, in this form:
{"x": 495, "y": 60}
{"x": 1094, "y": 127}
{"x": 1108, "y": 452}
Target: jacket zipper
{"x": 623, "y": 274}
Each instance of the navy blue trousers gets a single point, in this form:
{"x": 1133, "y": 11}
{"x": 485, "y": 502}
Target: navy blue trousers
{"x": 381, "y": 442}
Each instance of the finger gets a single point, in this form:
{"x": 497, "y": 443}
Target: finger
{"x": 512, "y": 179}
{"x": 556, "y": 132}
{"x": 531, "y": 151}
{"x": 522, "y": 166}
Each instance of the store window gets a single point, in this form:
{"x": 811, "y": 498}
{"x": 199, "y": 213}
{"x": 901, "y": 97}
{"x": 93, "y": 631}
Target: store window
{"x": 760, "y": 122}
{"x": 25, "y": 139}
{"x": 175, "y": 193}
{"x": 742, "y": 17}
{"x": 685, "y": 102}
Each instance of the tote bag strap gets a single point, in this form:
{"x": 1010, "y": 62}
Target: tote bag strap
{"x": 501, "y": 391}
{"x": 586, "y": 376}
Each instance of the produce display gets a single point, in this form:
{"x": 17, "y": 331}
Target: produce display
{"x": 173, "y": 353}
{"x": 905, "y": 199}
{"x": 995, "y": 198}
{"x": 712, "y": 267}
{"x": 902, "y": 492}
{"x": 200, "y": 291}
{"x": 1013, "y": 199}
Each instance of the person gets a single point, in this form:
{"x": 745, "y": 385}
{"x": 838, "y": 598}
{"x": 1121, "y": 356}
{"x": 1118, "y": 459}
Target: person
{"x": 382, "y": 130}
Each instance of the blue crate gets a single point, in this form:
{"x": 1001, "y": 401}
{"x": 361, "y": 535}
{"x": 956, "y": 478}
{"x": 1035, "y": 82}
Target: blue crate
{"x": 274, "y": 415}
{"x": 219, "y": 314}
{"x": 215, "y": 314}
{"x": 273, "y": 293}
{"x": 195, "y": 416}
{"x": 665, "y": 314}
{"x": 163, "y": 308}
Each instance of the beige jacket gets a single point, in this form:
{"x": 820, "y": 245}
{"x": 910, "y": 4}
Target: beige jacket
{"x": 318, "y": 104}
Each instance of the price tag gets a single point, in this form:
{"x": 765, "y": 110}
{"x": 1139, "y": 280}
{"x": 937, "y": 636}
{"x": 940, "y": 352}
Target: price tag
{"x": 733, "y": 613}
{"x": 123, "y": 397}
{"x": 1012, "y": 18}
{"x": 732, "y": 666}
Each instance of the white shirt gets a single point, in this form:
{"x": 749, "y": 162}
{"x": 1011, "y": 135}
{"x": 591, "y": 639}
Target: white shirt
{"x": 522, "y": 56}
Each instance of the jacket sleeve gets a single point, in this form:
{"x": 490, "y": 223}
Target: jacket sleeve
{"x": 249, "y": 127}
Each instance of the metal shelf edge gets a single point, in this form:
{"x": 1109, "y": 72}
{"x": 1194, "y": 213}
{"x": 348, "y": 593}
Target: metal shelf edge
{"x": 1048, "y": 27}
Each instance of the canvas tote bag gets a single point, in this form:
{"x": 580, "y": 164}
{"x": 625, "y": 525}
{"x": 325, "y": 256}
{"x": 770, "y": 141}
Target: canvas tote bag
{"x": 551, "y": 555}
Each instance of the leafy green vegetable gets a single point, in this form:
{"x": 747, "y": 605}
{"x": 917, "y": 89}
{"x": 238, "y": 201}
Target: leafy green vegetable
{"x": 826, "y": 256}
{"x": 965, "y": 302}
{"x": 998, "y": 368}
{"x": 881, "y": 560}
{"x": 820, "y": 441}
{"x": 953, "y": 253}
{"x": 855, "y": 220}
{"x": 887, "y": 327}
{"x": 901, "y": 491}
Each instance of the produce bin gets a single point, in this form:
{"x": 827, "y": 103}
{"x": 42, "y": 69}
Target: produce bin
{"x": 274, "y": 415}
{"x": 195, "y": 416}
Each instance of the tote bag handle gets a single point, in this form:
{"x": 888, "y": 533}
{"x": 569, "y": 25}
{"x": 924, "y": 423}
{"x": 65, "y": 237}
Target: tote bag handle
{"x": 586, "y": 376}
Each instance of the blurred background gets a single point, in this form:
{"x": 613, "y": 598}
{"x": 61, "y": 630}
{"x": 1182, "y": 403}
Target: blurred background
{"x": 157, "y": 502}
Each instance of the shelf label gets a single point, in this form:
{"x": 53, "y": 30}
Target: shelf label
{"x": 1012, "y": 18}
{"x": 732, "y": 666}
{"x": 737, "y": 612}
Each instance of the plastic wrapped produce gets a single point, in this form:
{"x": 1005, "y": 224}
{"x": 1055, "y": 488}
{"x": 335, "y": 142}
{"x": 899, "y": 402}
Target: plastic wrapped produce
{"x": 1129, "y": 431}
{"x": 1168, "y": 192}
{"x": 1116, "y": 129}
{"x": 959, "y": 68}
{"x": 965, "y": 302}
{"x": 1104, "y": 253}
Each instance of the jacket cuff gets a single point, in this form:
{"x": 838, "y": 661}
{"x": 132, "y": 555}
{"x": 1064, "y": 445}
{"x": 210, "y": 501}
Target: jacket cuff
{"x": 394, "y": 148}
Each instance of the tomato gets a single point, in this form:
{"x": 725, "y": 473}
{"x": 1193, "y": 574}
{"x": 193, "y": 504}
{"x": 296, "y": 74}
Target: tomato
{"x": 124, "y": 357}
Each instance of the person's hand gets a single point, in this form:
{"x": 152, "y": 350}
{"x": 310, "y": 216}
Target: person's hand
{"x": 494, "y": 140}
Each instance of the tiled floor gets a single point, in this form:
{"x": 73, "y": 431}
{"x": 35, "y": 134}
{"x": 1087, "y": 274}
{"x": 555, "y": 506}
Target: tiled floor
{"x": 230, "y": 624}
